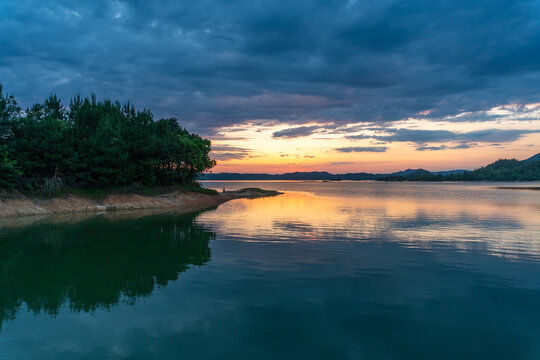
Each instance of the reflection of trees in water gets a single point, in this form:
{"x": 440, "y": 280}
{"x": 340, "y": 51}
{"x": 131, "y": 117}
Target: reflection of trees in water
{"x": 94, "y": 263}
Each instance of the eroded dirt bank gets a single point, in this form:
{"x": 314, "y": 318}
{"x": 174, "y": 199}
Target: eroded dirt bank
{"x": 20, "y": 205}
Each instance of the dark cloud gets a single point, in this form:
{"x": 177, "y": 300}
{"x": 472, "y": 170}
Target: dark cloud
{"x": 432, "y": 148}
{"x": 295, "y": 132}
{"x": 225, "y": 156}
{"x": 421, "y": 137}
{"x": 220, "y": 63}
{"x": 220, "y": 136}
{"x": 228, "y": 148}
{"x": 226, "y": 152}
{"x": 362, "y": 149}
{"x": 444, "y": 147}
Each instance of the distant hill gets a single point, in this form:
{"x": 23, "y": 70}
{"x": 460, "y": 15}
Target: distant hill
{"x": 506, "y": 170}
{"x": 314, "y": 175}
{"x": 407, "y": 172}
{"x": 534, "y": 158}
{"x": 321, "y": 175}
{"x": 449, "y": 172}
{"x": 500, "y": 170}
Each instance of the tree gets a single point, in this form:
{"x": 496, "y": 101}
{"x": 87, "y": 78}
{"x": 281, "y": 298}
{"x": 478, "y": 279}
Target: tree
{"x": 9, "y": 113}
{"x": 95, "y": 143}
{"x": 44, "y": 147}
{"x": 194, "y": 156}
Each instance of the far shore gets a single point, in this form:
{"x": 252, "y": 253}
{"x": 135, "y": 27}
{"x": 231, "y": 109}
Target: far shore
{"x": 17, "y": 204}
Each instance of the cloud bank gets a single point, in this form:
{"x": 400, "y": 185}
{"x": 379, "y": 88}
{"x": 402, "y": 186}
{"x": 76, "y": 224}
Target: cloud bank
{"x": 220, "y": 63}
{"x": 362, "y": 149}
{"x": 464, "y": 139}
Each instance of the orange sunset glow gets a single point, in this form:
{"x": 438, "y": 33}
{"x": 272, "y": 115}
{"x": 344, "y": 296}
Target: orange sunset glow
{"x": 254, "y": 148}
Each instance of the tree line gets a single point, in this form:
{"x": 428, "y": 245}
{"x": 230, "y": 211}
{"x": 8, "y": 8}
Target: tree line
{"x": 94, "y": 143}
{"x": 500, "y": 170}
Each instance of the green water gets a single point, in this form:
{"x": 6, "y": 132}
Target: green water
{"x": 326, "y": 271}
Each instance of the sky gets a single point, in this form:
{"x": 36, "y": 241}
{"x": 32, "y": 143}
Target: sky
{"x": 305, "y": 85}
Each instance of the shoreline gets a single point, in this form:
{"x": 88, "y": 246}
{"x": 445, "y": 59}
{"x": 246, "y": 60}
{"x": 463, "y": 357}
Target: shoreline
{"x": 22, "y": 206}
{"x": 518, "y": 188}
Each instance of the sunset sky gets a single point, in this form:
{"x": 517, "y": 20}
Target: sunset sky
{"x": 342, "y": 86}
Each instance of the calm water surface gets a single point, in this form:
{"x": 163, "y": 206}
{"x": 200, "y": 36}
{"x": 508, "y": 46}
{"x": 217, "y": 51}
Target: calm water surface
{"x": 335, "y": 270}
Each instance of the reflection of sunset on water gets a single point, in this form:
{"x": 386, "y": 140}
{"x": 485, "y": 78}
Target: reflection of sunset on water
{"x": 423, "y": 222}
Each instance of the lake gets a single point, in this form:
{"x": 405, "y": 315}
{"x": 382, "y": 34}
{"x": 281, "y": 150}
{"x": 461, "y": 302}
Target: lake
{"x": 329, "y": 270}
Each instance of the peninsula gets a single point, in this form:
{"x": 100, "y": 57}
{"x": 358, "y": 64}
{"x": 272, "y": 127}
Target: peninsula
{"x": 96, "y": 156}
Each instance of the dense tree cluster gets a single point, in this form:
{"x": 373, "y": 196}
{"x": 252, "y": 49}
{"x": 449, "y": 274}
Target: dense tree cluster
{"x": 94, "y": 143}
{"x": 503, "y": 170}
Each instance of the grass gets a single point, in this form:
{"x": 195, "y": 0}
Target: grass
{"x": 201, "y": 190}
{"x": 260, "y": 191}
{"x": 100, "y": 193}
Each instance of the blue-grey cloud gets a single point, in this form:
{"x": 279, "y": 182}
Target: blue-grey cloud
{"x": 362, "y": 149}
{"x": 438, "y": 136}
{"x": 295, "y": 132}
{"x": 226, "y": 152}
{"x": 444, "y": 147}
{"x": 214, "y": 63}
{"x": 226, "y": 156}
{"x": 432, "y": 148}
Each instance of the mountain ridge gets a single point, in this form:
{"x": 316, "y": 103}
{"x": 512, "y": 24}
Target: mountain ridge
{"x": 500, "y": 170}
{"x": 316, "y": 175}
{"x": 534, "y": 158}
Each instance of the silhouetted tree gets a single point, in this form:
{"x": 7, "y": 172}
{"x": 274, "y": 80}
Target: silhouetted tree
{"x": 95, "y": 143}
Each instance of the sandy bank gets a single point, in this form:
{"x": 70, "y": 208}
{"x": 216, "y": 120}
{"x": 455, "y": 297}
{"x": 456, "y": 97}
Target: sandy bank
{"x": 20, "y": 205}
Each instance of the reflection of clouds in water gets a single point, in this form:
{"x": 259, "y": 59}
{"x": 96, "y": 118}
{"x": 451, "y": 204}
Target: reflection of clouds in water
{"x": 382, "y": 278}
{"x": 293, "y": 226}
{"x": 503, "y": 228}
{"x": 347, "y": 295}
